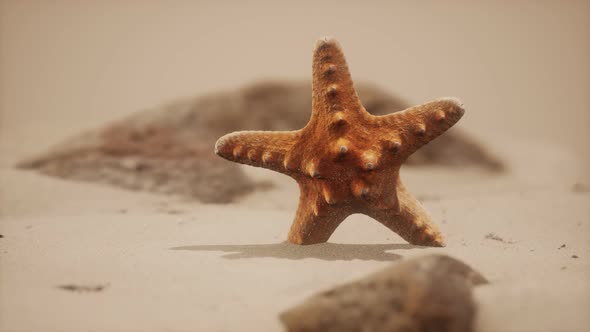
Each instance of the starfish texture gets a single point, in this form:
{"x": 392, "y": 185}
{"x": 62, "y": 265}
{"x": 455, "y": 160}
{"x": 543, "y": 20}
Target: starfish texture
{"x": 346, "y": 160}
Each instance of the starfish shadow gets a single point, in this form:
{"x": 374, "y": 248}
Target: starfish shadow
{"x": 323, "y": 251}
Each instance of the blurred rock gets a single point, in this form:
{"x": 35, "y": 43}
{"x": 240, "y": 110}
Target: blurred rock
{"x": 169, "y": 149}
{"x": 430, "y": 293}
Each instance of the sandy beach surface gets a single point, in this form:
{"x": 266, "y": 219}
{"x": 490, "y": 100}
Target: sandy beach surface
{"x": 168, "y": 264}
{"x": 162, "y": 263}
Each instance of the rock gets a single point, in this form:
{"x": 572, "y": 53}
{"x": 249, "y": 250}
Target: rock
{"x": 169, "y": 149}
{"x": 83, "y": 288}
{"x": 580, "y": 188}
{"x": 430, "y": 293}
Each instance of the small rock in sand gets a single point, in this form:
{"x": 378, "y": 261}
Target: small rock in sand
{"x": 580, "y": 188}
{"x": 496, "y": 237}
{"x": 83, "y": 288}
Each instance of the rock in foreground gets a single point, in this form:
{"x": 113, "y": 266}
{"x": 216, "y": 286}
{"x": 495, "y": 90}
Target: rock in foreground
{"x": 430, "y": 293}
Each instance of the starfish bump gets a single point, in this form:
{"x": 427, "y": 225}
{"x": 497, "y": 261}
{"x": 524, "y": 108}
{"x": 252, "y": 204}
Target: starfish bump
{"x": 346, "y": 160}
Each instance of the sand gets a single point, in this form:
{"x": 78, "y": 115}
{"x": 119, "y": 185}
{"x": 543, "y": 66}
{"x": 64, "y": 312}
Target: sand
{"x": 168, "y": 264}
{"x": 158, "y": 263}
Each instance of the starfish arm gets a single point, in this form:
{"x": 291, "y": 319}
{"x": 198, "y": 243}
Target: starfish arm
{"x": 412, "y": 222}
{"x": 265, "y": 149}
{"x": 416, "y": 126}
{"x": 315, "y": 220}
{"x": 332, "y": 87}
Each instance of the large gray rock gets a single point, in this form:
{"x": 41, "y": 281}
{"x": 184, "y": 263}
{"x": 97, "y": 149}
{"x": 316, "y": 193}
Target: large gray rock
{"x": 430, "y": 293}
{"x": 169, "y": 149}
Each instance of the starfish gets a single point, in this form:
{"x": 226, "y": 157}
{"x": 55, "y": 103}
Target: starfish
{"x": 346, "y": 160}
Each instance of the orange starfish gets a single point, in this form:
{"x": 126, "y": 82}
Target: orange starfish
{"x": 346, "y": 160}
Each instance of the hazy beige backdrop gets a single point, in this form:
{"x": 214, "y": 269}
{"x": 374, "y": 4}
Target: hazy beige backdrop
{"x": 521, "y": 67}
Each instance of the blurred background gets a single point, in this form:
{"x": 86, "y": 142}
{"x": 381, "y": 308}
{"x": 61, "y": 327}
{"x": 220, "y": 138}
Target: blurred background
{"x": 522, "y": 68}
